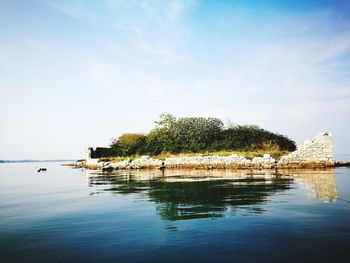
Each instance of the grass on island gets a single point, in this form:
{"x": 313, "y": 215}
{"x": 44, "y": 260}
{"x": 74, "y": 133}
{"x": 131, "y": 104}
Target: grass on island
{"x": 247, "y": 154}
{"x": 275, "y": 153}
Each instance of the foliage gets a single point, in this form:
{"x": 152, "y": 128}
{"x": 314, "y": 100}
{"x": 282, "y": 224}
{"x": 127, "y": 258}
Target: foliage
{"x": 129, "y": 144}
{"x": 195, "y": 134}
{"x": 166, "y": 120}
{"x": 173, "y": 135}
{"x": 183, "y": 134}
{"x": 252, "y": 137}
{"x": 159, "y": 140}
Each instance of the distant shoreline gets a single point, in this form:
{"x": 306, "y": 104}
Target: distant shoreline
{"x": 37, "y": 161}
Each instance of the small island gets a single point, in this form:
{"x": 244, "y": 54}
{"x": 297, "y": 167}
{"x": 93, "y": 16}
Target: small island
{"x": 206, "y": 143}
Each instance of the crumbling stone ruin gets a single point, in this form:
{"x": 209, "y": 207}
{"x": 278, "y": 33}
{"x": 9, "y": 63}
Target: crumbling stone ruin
{"x": 317, "y": 152}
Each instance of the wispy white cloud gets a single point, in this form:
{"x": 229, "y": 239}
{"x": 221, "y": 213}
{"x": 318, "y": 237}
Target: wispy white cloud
{"x": 130, "y": 59}
{"x": 156, "y": 35}
{"x": 150, "y": 51}
{"x": 305, "y": 66}
{"x": 176, "y": 8}
{"x": 77, "y": 9}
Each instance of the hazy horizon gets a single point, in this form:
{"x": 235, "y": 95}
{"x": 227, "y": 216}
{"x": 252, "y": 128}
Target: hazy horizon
{"x": 75, "y": 74}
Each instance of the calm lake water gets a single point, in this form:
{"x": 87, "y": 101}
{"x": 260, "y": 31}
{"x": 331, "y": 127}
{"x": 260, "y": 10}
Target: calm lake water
{"x": 70, "y": 215}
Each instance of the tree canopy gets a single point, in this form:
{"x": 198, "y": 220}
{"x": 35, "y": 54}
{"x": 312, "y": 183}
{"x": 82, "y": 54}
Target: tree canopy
{"x": 198, "y": 134}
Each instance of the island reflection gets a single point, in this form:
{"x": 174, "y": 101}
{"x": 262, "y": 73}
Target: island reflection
{"x": 320, "y": 183}
{"x": 190, "y": 194}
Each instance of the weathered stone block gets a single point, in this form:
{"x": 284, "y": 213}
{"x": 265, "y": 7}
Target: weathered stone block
{"x": 312, "y": 153}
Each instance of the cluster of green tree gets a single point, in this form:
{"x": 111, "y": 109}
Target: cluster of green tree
{"x": 176, "y": 135}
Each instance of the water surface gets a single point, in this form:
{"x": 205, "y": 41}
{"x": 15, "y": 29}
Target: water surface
{"x": 70, "y": 215}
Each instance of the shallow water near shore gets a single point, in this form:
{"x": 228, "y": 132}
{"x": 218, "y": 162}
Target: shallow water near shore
{"x": 73, "y": 215}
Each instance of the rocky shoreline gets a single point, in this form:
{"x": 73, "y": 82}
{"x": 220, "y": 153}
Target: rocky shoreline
{"x": 146, "y": 162}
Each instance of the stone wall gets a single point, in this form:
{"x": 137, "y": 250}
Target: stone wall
{"x": 222, "y": 162}
{"x": 317, "y": 152}
{"x": 91, "y": 162}
{"x": 194, "y": 162}
{"x": 99, "y": 152}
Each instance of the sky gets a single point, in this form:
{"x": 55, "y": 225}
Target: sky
{"x": 75, "y": 74}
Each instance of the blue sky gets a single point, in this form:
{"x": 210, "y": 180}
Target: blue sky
{"x": 79, "y": 73}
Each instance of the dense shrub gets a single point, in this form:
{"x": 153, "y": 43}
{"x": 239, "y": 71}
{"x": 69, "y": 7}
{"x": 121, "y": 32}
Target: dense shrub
{"x": 251, "y": 137}
{"x": 176, "y": 135}
{"x": 159, "y": 140}
{"x": 194, "y": 134}
{"x": 129, "y": 144}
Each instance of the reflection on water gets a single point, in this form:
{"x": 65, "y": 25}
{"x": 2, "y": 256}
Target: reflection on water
{"x": 321, "y": 184}
{"x": 66, "y": 215}
{"x": 189, "y": 194}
